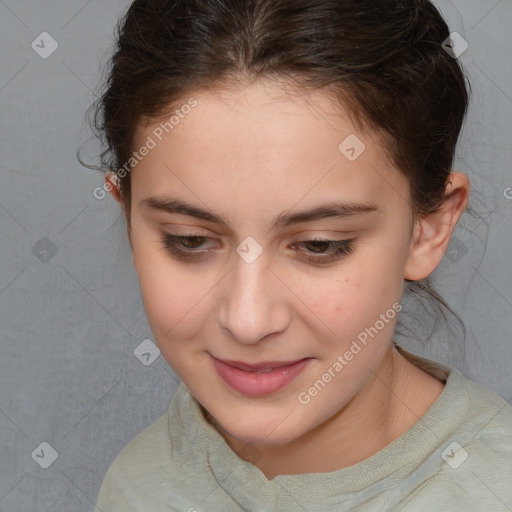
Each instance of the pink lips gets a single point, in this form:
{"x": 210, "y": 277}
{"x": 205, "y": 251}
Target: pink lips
{"x": 260, "y": 379}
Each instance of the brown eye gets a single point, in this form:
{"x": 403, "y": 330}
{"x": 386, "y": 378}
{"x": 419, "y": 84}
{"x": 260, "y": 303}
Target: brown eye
{"x": 188, "y": 241}
{"x": 339, "y": 248}
{"x": 318, "y": 245}
{"x": 185, "y": 247}
{"x": 190, "y": 248}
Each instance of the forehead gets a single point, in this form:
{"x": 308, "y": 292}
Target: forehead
{"x": 260, "y": 145}
{"x": 266, "y": 110}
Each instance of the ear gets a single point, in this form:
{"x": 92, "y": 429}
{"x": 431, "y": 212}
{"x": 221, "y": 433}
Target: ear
{"x": 433, "y": 232}
{"x": 112, "y": 185}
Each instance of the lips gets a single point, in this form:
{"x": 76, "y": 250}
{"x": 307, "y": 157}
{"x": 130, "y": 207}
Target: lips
{"x": 259, "y": 367}
{"x": 259, "y": 379}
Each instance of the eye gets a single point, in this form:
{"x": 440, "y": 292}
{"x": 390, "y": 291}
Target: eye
{"x": 185, "y": 248}
{"x": 339, "y": 248}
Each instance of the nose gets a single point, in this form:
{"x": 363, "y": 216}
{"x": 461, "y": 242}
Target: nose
{"x": 253, "y": 302}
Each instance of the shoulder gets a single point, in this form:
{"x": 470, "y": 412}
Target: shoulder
{"x": 489, "y": 416}
{"x": 470, "y": 464}
{"x": 487, "y": 433}
{"x": 476, "y": 468}
{"x": 149, "y": 448}
{"x": 141, "y": 464}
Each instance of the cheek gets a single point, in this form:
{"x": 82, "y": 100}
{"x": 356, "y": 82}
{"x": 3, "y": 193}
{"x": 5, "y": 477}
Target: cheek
{"x": 171, "y": 295}
{"x": 350, "y": 299}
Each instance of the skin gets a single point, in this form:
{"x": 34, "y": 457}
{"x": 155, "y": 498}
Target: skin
{"x": 250, "y": 153}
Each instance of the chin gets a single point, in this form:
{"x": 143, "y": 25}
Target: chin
{"x": 278, "y": 431}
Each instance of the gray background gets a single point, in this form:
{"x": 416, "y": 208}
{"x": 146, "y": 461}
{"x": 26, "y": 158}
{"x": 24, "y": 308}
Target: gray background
{"x": 71, "y": 315}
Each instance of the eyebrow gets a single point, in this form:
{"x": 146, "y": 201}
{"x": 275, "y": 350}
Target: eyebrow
{"x": 333, "y": 209}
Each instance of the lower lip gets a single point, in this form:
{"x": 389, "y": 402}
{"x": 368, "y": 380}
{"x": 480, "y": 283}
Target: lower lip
{"x": 259, "y": 384}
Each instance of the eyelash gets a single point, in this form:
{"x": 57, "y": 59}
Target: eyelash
{"x": 170, "y": 242}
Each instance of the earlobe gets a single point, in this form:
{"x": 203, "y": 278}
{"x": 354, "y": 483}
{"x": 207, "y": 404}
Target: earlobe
{"x": 433, "y": 232}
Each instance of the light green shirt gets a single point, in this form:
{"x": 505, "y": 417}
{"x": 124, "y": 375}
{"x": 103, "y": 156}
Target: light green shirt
{"x": 457, "y": 457}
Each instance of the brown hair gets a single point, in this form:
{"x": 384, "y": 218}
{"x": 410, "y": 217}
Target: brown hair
{"x": 383, "y": 60}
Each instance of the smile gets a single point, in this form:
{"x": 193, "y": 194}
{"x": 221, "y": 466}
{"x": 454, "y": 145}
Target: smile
{"x": 259, "y": 379}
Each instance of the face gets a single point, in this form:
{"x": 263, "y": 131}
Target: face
{"x": 262, "y": 280}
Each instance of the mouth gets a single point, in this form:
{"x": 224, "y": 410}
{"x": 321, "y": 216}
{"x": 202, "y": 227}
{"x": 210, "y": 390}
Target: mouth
{"x": 260, "y": 378}
{"x": 263, "y": 367}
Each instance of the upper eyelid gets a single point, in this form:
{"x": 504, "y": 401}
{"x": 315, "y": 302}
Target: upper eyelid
{"x": 339, "y": 251}
{"x": 194, "y": 232}
{"x": 348, "y": 242}
{"x": 297, "y": 241}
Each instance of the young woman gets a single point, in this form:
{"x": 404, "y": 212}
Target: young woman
{"x": 285, "y": 168}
